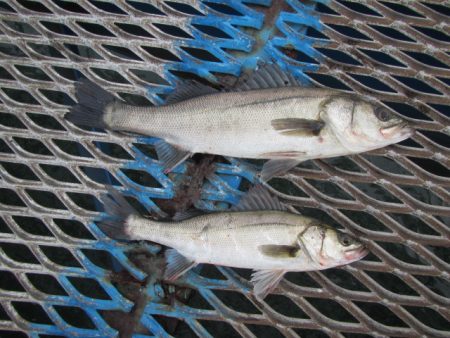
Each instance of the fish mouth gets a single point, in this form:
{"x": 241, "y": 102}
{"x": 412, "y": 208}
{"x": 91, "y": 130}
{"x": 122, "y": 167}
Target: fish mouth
{"x": 356, "y": 254}
{"x": 400, "y": 130}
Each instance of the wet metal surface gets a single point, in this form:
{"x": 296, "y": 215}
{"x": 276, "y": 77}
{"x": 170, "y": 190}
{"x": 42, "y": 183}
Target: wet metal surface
{"x": 60, "y": 275}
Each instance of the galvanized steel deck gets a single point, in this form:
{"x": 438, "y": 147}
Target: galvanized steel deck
{"x": 60, "y": 275}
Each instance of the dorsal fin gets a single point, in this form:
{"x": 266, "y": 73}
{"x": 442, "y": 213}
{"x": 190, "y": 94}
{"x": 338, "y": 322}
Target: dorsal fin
{"x": 259, "y": 198}
{"x": 268, "y": 75}
{"x": 188, "y": 90}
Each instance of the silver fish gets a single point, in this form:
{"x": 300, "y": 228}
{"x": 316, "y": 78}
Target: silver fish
{"x": 269, "y": 239}
{"x": 287, "y": 125}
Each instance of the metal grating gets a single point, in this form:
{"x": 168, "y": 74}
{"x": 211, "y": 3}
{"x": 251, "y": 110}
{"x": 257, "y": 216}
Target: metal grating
{"x": 60, "y": 276}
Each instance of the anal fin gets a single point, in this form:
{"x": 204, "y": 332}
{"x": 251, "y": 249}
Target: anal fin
{"x": 265, "y": 281}
{"x": 169, "y": 155}
{"x": 176, "y": 264}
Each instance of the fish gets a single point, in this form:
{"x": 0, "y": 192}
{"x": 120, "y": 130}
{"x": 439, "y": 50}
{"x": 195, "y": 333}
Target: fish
{"x": 258, "y": 233}
{"x": 267, "y": 115}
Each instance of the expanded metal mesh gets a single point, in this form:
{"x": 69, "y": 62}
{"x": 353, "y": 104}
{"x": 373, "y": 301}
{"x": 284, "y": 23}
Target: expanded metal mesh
{"x": 59, "y": 274}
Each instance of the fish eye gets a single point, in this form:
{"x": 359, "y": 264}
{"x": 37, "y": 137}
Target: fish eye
{"x": 383, "y": 115}
{"x": 345, "y": 239}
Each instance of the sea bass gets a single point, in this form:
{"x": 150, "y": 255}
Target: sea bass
{"x": 267, "y": 239}
{"x": 286, "y": 124}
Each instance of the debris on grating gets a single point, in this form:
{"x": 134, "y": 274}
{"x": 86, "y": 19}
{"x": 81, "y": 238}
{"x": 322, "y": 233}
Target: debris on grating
{"x": 188, "y": 187}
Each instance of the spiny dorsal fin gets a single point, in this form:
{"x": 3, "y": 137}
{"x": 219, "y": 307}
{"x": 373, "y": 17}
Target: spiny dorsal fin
{"x": 189, "y": 90}
{"x": 268, "y": 75}
{"x": 298, "y": 127}
{"x": 265, "y": 281}
{"x": 259, "y": 198}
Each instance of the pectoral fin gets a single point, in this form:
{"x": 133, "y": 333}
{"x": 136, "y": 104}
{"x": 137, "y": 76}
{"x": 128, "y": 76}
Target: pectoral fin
{"x": 298, "y": 127}
{"x": 169, "y": 155}
{"x": 279, "y": 251}
{"x": 265, "y": 281}
{"x": 276, "y": 167}
{"x": 177, "y": 264}
{"x": 282, "y": 154}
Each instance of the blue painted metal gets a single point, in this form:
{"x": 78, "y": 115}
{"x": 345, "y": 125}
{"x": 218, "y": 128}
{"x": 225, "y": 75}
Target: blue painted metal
{"x": 243, "y": 50}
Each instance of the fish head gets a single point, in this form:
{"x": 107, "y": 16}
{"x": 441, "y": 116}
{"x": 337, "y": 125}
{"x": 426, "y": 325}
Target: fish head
{"x": 329, "y": 247}
{"x": 361, "y": 126}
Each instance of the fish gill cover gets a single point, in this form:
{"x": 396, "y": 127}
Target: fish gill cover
{"x": 61, "y": 276}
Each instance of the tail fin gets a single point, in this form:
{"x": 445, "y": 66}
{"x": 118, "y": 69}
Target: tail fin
{"x": 119, "y": 213}
{"x": 92, "y": 100}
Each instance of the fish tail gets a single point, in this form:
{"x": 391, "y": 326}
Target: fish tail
{"x": 118, "y": 222}
{"x": 92, "y": 102}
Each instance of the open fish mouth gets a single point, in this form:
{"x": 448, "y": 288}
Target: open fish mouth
{"x": 356, "y": 254}
{"x": 399, "y": 130}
